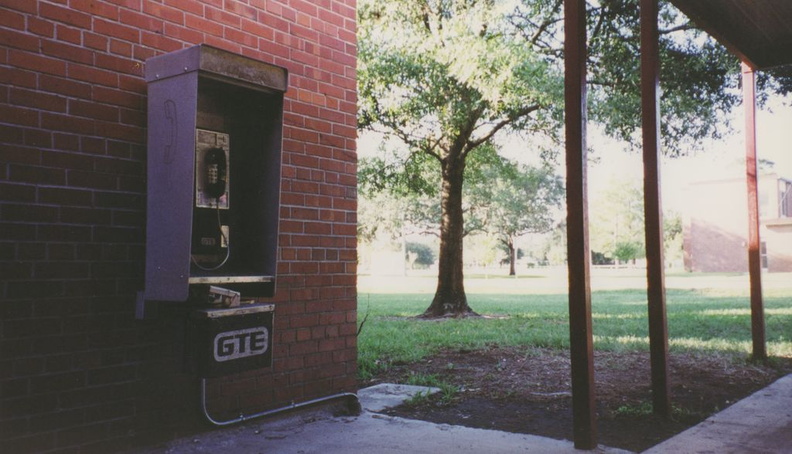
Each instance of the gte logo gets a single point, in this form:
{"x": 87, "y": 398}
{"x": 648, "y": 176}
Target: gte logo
{"x": 241, "y": 343}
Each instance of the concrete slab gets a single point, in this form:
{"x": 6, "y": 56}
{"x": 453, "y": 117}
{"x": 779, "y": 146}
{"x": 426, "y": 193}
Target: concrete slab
{"x": 760, "y": 423}
{"x": 365, "y": 434}
{"x": 319, "y": 432}
{"x": 388, "y": 395}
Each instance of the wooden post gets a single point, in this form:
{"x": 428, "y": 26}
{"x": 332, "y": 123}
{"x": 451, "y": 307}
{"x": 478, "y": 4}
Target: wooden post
{"x": 653, "y": 214}
{"x": 754, "y": 253}
{"x": 581, "y": 338}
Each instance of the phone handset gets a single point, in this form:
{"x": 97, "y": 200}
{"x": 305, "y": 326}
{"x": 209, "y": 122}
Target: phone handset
{"x": 211, "y": 247}
{"x": 215, "y": 173}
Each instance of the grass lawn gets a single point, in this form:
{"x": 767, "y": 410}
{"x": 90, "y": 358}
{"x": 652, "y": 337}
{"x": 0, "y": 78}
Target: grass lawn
{"x": 706, "y": 312}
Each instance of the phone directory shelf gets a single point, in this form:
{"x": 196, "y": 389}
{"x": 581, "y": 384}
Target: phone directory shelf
{"x": 215, "y": 124}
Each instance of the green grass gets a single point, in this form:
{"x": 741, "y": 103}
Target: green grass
{"x": 716, "y": 320}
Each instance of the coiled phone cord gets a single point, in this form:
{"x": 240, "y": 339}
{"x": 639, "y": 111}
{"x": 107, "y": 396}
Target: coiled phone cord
{"x": 222, "y": 234}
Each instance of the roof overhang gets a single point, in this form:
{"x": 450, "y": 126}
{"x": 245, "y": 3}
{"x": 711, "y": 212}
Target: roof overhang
{"x": 757, "y": 31}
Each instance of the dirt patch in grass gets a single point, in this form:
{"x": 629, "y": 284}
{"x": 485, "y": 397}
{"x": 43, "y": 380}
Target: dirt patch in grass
{"x": 528, "y": 390}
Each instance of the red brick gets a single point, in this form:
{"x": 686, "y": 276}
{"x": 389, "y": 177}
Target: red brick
{"x": 301, "y": 348}
{"x": 144, "y": 22}
{"x": 65, "y": 15}
{"x": 96, "y": 8}
{"x": 92, "y": 180}
{"x": 257, "y": 29}
{"x": 40, "y": 27}
{"x": 35, "y": 62}
{"x": 71, "y": 161}
{"x": 240, "y": 9}
{"x": 157, "y": 41}
{"x": 92, "y": 110}
{"x": 58, "y": 122}
{"x": 220, "y": 16}
{"x": 118, "y": 47}
{"x": 95, "y": 41}
{"x": 184, "y": 33}
{"x": 67, "y": 52}
{"x": 68, "y": 34}
{"x": 65, "y": 197}
{"x": 18, "y": 116}
{"x": 189, "y": 6}
{"x": 117, "y": 97}
{"x": 246, "y": 39}
{"x": 25, "y": 6}
{"x": 65, "y": 86}
{"x": 114, "y": 63}
{"x": 204, "y": 25}
{"x": 19, "y": 40}
{"x": 92, "y": 75}
{"x": 116, "y": 30}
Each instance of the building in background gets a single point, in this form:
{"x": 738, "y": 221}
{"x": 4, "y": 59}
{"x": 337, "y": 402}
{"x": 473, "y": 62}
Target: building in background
{"x": 717, "y": 224}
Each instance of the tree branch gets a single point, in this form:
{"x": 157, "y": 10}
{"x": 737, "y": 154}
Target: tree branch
{"x": 471, "y": 144}
{"x": 679, "y": 28}
{"x": 547, "y": 23}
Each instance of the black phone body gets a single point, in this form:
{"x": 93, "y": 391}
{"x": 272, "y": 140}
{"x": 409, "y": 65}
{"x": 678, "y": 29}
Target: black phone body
{"x": 211, "y": 235}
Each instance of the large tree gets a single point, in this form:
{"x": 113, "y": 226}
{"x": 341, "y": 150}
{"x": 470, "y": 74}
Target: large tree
{"x": 445, "y": 77}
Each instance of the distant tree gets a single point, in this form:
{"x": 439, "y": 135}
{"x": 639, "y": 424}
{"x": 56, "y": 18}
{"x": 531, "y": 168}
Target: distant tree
{"x": 617, "y": 221}
{"x": 625, "y": 251}
{"x": 517, "y": 200}
{"x": 420, "y": 255}
{"x": 672, "y": 237}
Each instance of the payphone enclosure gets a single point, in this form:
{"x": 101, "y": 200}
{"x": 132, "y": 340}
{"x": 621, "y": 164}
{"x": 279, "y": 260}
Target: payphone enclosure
{"x": 215, "y": 124}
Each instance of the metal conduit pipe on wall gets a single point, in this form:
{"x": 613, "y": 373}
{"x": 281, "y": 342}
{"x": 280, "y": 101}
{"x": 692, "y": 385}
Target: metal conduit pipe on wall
{"x": 353, "y": 405}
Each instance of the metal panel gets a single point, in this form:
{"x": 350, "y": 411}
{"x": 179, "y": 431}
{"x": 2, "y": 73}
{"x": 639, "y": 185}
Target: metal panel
{"x": 217, "y": 63}
{"x": 227, "y": 341}
{"x": 171, "y": 161}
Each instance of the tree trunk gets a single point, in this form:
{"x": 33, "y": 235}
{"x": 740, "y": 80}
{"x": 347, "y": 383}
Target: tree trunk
{"x": 512, "y": 257}
{"x": 450, "y": 298}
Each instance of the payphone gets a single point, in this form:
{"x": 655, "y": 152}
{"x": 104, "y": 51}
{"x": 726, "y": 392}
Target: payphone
{"x": 214, "y": 155}
{"x": 210, "y": 246}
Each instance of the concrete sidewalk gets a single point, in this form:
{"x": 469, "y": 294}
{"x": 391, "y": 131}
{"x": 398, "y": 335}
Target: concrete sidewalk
{"x": 761, "y": 423}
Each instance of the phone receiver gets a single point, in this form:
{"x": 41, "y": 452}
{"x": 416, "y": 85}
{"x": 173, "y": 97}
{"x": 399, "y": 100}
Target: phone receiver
{"x": 216, "y": 171}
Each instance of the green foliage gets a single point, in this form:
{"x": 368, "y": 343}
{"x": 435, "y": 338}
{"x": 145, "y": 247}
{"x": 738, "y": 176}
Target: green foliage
{"x": 447, "y": 390}
{"x": 443, "y": 75}
{"x": 517, "y": 200}
{"x": 699, "y": 77}
{"x": 673, "y": 237}
{"x": 628, "y": 250}
{"x": 617, "y": 220}
{"x": 419, "y": 255}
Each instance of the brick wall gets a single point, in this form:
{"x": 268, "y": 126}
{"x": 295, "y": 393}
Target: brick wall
{"x": 77, "y": 372}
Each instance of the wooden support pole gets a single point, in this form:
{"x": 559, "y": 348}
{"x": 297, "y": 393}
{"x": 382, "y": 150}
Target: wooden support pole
{"x": 653, "y": 214}
{"x": 580, "y": 333}
{"x": 754, "y": 253}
